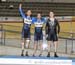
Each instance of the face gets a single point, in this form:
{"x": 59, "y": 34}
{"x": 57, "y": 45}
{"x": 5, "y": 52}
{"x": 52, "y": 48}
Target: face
{"x": 51, "y": 14}
{"x": 38, "y": 15}
{"x": 29, "y": 13}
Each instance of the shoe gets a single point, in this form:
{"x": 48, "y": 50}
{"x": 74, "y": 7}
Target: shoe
{"x": 33, "y": 55}
{"x": 40, "y": 55}
{"x": 22, "y": 54}
{"x": 26, "y": 54}
{"x": 55, "y": 55}
{"x": 48, "y": 55}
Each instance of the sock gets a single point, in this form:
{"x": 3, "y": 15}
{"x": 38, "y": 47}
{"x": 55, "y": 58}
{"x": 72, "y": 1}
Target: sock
{"x": 22, "y": 51}
{"x": 55, "y": 52}
{"x": 48, "y": 52}
{"x": 41, "y": 51}
{"x": 26, "y": 51}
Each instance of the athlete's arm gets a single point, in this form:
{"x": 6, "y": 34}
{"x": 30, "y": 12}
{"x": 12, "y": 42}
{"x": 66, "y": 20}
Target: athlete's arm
{"x": 21, "y": 11}
{"x": 58, "y": 26}
{"x": 45, "y": 19}
{"x": 46, "y": 28}
{"x": 33, "y": 20}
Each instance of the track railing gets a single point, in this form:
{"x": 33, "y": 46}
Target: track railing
{"x": 71, "y": 37}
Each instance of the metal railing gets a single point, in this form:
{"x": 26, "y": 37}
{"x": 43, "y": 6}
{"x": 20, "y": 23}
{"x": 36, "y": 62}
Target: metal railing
{"x": 2, "y": 35}
{"x": 71, "y": 38}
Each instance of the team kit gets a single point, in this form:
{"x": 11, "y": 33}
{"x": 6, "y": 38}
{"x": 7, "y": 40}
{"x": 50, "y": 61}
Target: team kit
{"x": 52, "y": 29}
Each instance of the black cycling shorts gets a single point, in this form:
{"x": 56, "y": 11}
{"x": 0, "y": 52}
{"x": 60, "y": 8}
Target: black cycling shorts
{"x": 52, "y": 37}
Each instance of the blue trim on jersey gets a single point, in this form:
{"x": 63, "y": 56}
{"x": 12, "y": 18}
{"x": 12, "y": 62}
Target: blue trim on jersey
{"x": 35, "y": 20}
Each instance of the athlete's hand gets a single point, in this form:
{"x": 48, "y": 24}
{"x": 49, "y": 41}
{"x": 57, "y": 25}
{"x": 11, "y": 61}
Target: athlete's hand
{"x": 47, "y": 17}
{"x": 57, "y": 35}
{"x": 46, "y": 35}
{"x": 20, "y": 5}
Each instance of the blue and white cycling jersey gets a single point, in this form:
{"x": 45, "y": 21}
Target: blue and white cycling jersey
{"x": 27, "y": 20}
{"x": 31, "y": 20}
{"x": 38, "y": 23}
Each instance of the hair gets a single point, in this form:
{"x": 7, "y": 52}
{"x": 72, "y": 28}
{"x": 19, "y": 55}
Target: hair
{"x": 53, "y": 13}
{"x": 27, "y": 11}
{"x": 51, "y": 10}
{"x": 39, "y": 12}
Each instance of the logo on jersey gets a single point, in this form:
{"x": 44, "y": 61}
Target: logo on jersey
{"x": 38, "y": 23}
{"x": 51, "y": 23}
{"x": 27, "y": 20}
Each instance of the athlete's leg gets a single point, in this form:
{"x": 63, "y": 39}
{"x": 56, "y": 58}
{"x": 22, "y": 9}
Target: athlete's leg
{"x": 40, "y": 43}
{"x": 23, "y": 43}
{"x": 55, "y": 39}
{"x": 27, "y": 36}
{"x": 55, "y": 47}
{"x": 41, "y": 47}
{"x": 49, "y": 47}
{"x": 49, "y": 41}
{"x": 35, "y": 43}
{"x": 35, "y": 47}
{"x": 27, "y": 44}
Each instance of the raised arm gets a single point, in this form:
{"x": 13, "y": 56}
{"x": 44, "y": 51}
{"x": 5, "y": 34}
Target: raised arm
{"x": 21, "y": 11}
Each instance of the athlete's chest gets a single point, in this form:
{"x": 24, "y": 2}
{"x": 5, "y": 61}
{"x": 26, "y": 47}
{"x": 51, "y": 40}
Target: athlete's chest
{"x": 52, "y": 23}
{"x": 39, "y": 23}
{"x": 27, "y": 20}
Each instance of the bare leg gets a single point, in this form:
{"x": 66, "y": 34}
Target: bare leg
{"x": 27, "y": 44}
{"x": 41, "y": 48}
{"x": 49, "y": 45}
{"x": 23, "y": 42}
{"x": 55, "y": 46}
{"x": 35, "y": 47}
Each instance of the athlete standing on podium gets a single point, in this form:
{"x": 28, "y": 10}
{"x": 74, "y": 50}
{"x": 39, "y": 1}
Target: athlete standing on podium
{"x": 38, "y": 34}
{"x": 26, "y": 29}
{"x": 52, "y": 31}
